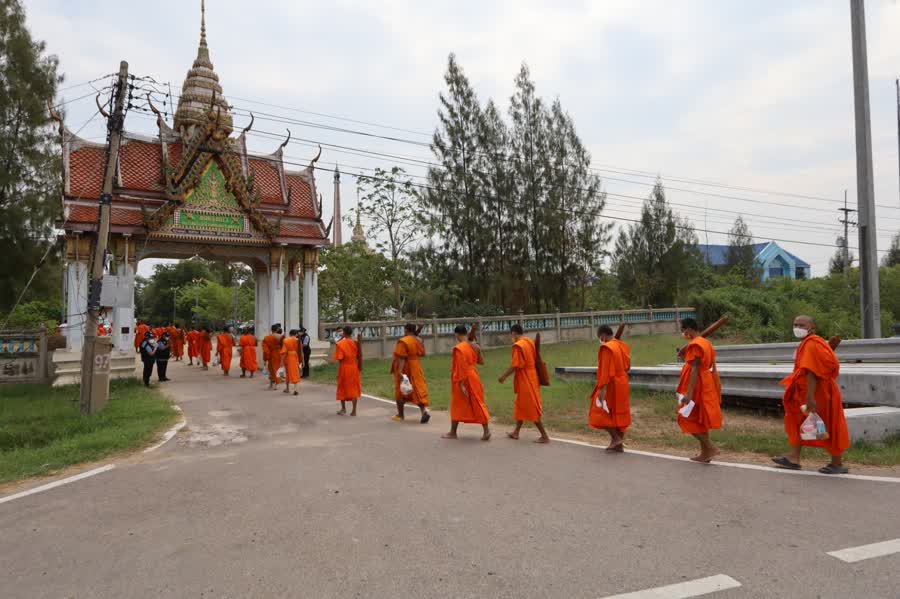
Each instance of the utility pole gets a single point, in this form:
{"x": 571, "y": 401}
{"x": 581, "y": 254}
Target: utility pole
{"x": 870, "y": 305}
{"x": 897, "y": 83}
{"x": 174, "y": 305}
{"x": 115, "y": 124}
{"x": 846, "y": 222}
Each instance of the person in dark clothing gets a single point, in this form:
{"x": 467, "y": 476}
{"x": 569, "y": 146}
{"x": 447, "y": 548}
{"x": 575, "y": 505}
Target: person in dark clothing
{"x": 163, "y": 353}
{"x": 147, "y": 350}
{"x": 307, "y": 351}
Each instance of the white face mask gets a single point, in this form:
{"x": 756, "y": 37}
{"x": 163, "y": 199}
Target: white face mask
{"x": 800, "y": 333}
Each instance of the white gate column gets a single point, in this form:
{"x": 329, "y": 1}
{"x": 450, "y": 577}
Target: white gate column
{"x": 311, "y": 299}
{"x": 76, "y": 303}
{"x": 123, "y": 314}
{"x": 292, "y": 302}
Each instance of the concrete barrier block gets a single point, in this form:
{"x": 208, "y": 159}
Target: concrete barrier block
{"x": 872, "y": 424}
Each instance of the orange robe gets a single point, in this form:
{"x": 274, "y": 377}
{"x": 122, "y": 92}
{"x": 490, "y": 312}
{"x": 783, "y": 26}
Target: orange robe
{"x": 613, "y": 363}
{"x": 173, "y": 340}
{"x": 158, "y": 331}
{"x": 349, "y": 385}
{"x": 101, "y": 330}
{"x": 528, "y": 405}
{"x": 193, "y": 350}
{"x": 204, "y": 345}
{"x": 248, "y": 353}
{"x": 816, "y": 356}
{"x": 463, "y": 369}
{"x": 410, "y": 349}
{"x": 271, "y": 346}
{"x": 224, "y": 348}
{"x": 139, "y": 333}
{"x": 290, "y": 348}
{"x": 178, "y": 343}
{"x": 707, "y": 412}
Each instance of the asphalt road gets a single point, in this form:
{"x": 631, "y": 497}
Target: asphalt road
{"x": 269, "y": 495}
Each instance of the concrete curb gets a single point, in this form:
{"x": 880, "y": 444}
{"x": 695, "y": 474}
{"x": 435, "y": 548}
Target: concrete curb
{"x": 170, "y": 434}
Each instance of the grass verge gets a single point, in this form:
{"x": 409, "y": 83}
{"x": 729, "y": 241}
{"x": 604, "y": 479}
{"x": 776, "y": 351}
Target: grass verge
{"x": 747, "y": 435}
{"x": 42, "y": 429}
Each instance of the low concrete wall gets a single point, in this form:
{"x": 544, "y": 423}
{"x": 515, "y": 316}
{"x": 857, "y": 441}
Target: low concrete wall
{"x": 852, "y": 350}
{"x": 380, "y": 337}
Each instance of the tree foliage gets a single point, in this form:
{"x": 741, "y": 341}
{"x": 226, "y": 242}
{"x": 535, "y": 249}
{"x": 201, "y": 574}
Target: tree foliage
{"x": 740, "y": 258}
{"x": 656, "y": 259}
{"x": 892, "y": 258}
{"x": 29, "y": 160}
{"x": 354, "y": 284}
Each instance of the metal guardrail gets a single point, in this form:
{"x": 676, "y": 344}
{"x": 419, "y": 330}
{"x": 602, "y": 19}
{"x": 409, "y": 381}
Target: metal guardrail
{"x": 852, "y": 350}
{"x": 559, "y": 321}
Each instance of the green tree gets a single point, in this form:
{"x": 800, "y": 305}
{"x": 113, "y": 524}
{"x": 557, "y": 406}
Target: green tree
{"x": 354, "y": 284}
{"x": 841, "y": 261}
{"x": 388, "y": 203}
{"x": 454, "y": 195}
{"x": 892, "y": 258}
{"x": 656, "y": 259}
{"x": 29, "y": 160}
{"x": 740, "y": 258}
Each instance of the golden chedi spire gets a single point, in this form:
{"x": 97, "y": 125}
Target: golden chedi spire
{"x": 201, "y": 90}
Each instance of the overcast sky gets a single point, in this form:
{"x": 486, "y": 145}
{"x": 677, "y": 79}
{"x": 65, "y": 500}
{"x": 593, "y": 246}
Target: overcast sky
{"x": 749, "y": 94}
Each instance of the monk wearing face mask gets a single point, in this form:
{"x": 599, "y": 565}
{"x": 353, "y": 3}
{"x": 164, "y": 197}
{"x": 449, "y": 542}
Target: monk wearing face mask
{"x": 812, "y": 389}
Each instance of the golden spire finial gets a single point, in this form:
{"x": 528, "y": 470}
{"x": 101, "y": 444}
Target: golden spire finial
{"x": 203, "y": 23}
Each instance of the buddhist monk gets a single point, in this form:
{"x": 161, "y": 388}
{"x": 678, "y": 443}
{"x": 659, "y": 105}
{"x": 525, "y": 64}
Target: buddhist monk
{"x": 193, "y": 348}
{"x": 292, "y": 358}
{"x": 610, "y": 408}
{"x": 813, "y": 386}
{"x": 699, "y": 391}
{"x": 406, "y": 361}
{"x": 204, "y": 346}
{"x": 160, "y": 331}
{"x": 525, "y": 384}
{"x": 349, "y": 386}
{"x": 178, "y": 346}
{"x": 466, "y": 393}
{"x": 248, "y": 353}
{"x": 140, "y": 330}
{"x": 225, "y": 349}
{"x": 172, "y": 330}
{"x": 271, "y": 346}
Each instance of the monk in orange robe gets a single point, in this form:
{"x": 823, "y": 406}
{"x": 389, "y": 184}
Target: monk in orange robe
{"x": 466, "y": 393}
{"x": 271, "y": 346}
{"x": 699, "y": 391}
{"x": 406, "y": 361}
{"x": 179, "y": 343}
{"x": 813, "y": 385}
{"x": 225, "y": 349}
{"x": 173, "y": 338}
{"x": 248, "y": 344}
{"x": 292, "y": 358}
{"x": 610, "y": 402}
{"x": 159, "y": 331}
{"x": 349, "y": 386}
{"x": 525, "y": 384}
{"x": 140, "y": 331}
{"x": 204, "y": 346}
{"x": 193, "y": 350}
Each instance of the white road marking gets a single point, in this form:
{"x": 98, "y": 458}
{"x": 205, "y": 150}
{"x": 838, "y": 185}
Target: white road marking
{"x": 858, "y": 554}
{"x": 678, "y": 458}
{"x": 58, "y": 483}
{"x": 684, "y": 590}
{"x": 169, "y": 433}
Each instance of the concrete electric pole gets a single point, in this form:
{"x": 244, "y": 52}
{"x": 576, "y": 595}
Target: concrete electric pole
{"x": 90, "y": 359}
{"x": 845, "y": 240}
{"x": 865, "y": 188}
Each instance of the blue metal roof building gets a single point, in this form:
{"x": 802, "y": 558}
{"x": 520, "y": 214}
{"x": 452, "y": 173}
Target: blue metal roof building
{"x": 774, "y": 260}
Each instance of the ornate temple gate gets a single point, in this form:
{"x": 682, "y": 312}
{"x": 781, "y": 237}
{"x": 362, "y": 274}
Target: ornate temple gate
{"x": 193, "y": 190}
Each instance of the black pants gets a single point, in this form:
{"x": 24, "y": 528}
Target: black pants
{"x": 307, "y": 351}
{"x": 161, "y": 367}
{"x": 148, "y": 371}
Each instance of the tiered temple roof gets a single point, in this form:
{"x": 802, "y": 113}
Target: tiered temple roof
{"x": 156, "y": 176}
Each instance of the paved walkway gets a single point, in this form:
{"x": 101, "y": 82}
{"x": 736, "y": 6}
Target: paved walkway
{"x": 269, "y": 495}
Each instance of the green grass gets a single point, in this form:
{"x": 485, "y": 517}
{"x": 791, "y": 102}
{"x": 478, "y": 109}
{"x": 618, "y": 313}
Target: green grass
{"x": 42, "y": 429}
{"x": 746, "y": 434}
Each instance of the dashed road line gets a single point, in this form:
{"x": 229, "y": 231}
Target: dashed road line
{"x": 863, "y": 552}
{"x": 677, "y": 458}
{"x": 684, "y": 590}
{"x": 58, "y": 483}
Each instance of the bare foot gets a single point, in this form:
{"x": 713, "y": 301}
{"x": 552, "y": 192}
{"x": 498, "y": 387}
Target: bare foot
{"x": 706, "y": 457}
{"x": 286, "y": 391}
{"x": 353, "y": 413}
{"x": 513, "y": 436}
{"x": 542, "y": 440}
{"x": 616, "y": 447}
{"x": 486, "y": 436}
{"x": 449, "y": 436}
{"x": 342, "y": 412}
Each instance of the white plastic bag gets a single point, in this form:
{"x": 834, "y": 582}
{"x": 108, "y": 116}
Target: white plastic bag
{"x": 215, "y": 361}
{"x": 406, "y": 387}
{"x": 602, "y": 404}
{"x": 813, "y": 429}
{"x": 281, "y": 373}
{"x": 687, "y": 409}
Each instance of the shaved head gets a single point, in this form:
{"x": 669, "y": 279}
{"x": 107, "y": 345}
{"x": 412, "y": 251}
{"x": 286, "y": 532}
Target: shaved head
{"x": 806, "y": 322}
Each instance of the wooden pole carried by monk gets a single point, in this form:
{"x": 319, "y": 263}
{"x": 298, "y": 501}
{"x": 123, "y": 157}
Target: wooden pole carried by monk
{"x": 705, "y": 333}
{"x": 542, "y": 372}
{"x": 620, "y": 331}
